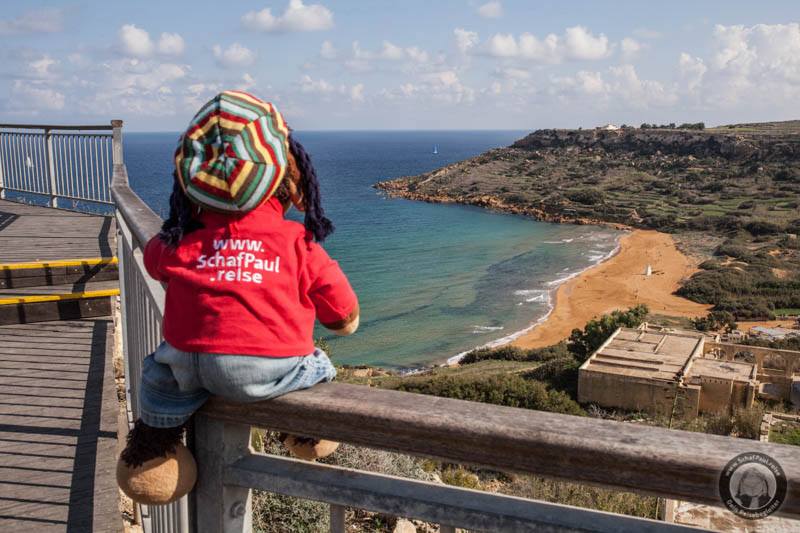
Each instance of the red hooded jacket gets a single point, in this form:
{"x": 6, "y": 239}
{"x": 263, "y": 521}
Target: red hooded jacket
{"x": 249, "y": 285}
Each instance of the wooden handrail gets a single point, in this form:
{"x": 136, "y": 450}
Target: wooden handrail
{"x": 142, "y": 221}
{"x": 65, "y": 127}
{"x": 644, "y": 459}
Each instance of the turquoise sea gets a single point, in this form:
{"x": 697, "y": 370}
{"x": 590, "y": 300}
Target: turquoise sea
{"x": 433, "y": 280}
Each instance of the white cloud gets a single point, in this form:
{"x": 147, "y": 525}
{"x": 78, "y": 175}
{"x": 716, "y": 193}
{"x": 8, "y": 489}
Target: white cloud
{"x": 171, "y": 44}
{"x": 504, "y": 45}
{"x": 47, "y": 20}
{"x": 627, "y": 86}
{"x": 247, "y": 83}
{"x": 630, "y": 48}
{"x": 465, "y": 39}
{"x": 491, "y": 10}
{"x": 692, "y": 70}
{"x": 391, "y": 51}
{"x": 619, "y": 86}
{"x": 577, "y": 43}
{"x": 296, "y": 17}
{"x": 40, "y": 68}
{"x": 147, "y": 88}
{"x": 135, "y": 41}
{"x": 360, "y": 59}
{"x": 32, "y": 98}
{"x": 442, "y": 86}
{"x": 320, "y": 86}
{"x": 357, "y": 92}
{"x": 581, "y": 44}
{"x": 747, "y": 63}
{"x": 591, "y": 82}
{"x": 327, "y": 90}
{"x": 235, "y": 55}
{"x": 328, "y": 51}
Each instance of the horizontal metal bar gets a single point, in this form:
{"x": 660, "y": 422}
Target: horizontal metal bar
{"x": 56, "y": 127}
{"x": 437, "y": 503}
{"x": 63, "y": 196}
{"x": 644, "y": 459}
{"x": 86, "y": 135}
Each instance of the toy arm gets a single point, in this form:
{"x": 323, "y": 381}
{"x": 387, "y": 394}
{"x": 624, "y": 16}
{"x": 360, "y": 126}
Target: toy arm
{"x": 333, "y": 297}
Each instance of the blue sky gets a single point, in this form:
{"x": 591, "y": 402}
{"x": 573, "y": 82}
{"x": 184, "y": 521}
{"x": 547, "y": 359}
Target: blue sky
{"x": 444, "y": 64}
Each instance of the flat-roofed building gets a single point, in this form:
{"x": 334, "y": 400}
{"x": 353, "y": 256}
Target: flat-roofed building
{"x": 637, "y": 370}
{"x": 664, "y": 371}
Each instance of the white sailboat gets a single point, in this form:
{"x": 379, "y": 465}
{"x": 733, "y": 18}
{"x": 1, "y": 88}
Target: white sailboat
{"x": 435, "y": 149}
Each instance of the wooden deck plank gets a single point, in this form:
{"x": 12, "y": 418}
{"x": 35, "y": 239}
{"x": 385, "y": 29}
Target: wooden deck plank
{"x": 33, "y": 233}
{"x": 58, "y": 412}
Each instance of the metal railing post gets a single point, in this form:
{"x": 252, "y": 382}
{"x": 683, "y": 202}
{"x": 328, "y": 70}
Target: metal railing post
{"x": 2, "y": 170}
{"x": 51, "y": 168}
{"x": 116, "y": 142}
{"x": 337, "y": 517}
{"x": 220, "y": 508}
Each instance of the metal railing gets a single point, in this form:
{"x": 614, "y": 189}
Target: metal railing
{"x": 625, "y": 456}
{"x": 60, "y": 162}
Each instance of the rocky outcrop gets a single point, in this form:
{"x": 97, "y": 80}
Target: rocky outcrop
{"x": 400, "y": 189}
{"x": 646, "y": 142}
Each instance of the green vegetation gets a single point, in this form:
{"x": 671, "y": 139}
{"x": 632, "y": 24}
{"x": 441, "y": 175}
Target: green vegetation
{"x": 715, "y": 321}
{"x": 785, "y": 433}
{"x": 736, "y": 185}
{"x": 584, "y": 342}
{"x": 671, "y": 126}
{"x": 513, "y": 353}
{"x": 511, "y": 390}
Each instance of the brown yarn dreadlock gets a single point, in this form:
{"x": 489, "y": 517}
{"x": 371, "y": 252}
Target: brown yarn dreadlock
{"x": 182, "y": 212}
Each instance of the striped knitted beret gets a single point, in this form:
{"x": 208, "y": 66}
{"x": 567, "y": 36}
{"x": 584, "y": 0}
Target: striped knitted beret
{"x": 233, "y": 155}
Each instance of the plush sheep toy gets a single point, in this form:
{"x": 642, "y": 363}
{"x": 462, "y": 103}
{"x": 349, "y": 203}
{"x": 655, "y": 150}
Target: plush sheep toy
{"x": 244, "y": 287}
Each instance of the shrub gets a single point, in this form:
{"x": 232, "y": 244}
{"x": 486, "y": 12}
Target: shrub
{"x": 460, "y": 477}
{"x": 584, "y": 342}
{"x": 716, "y": 320}
{"x": 762, "y": 227}
{"x": 568, "y": 493}
{"x": 503, "y": 353}
{"x": 747, "y": 422}
{"x": 719, "y": 424}
{"x": 784, "y": 175}
{"x": 273, "y": 513}
{"x": 587, "y": 196}
{"x": 510, "y": 390}
{"x": 509, "y": 352}
{"x": 560, "y": 374}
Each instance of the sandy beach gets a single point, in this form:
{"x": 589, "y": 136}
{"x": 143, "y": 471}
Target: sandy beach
{"x": 619, "y": 283}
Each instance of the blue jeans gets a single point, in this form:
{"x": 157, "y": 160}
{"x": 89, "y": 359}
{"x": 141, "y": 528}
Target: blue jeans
{"x": 175, "y": 384}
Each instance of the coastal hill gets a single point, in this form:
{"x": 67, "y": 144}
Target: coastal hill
{"x": 729, "y": 194}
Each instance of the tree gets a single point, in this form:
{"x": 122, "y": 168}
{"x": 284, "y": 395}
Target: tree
{"x": 584, "y": 342}
{"x": 715, "y": 321}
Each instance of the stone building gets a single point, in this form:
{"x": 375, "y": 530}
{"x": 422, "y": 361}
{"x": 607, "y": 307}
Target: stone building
{"x": 667, "y": 371}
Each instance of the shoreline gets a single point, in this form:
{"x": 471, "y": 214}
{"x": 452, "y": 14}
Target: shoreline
{"x": 618, "y": 282}
{"x": 551, "y": 299}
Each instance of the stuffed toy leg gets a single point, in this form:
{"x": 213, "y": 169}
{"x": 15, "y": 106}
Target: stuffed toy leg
{"x": 309, "y": 448}
{"x": 155, "y": 468}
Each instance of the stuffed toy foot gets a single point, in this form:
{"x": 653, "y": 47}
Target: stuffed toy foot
{"x": 155, "y": 468}
{"x": 308, "y": 448}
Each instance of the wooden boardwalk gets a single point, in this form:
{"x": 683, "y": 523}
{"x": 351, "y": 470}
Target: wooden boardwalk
{"x": 33, "y": 233}
{"x": 58, "y": 401}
